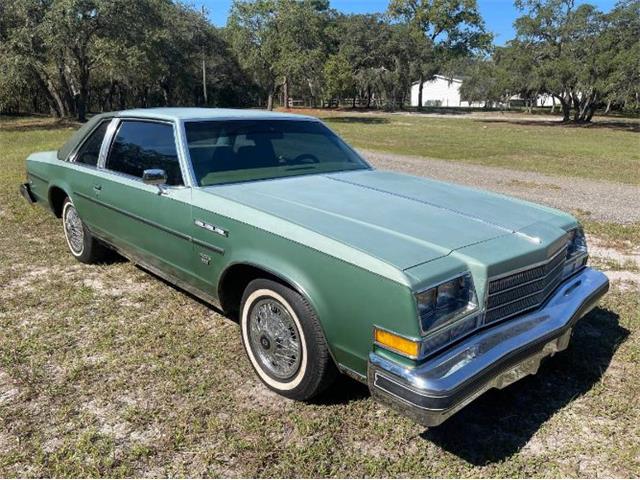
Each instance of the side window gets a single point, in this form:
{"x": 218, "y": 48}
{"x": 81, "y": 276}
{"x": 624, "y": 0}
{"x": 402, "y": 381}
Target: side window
{"x": 90, "y": 149}
{"x": 139, "y": 146}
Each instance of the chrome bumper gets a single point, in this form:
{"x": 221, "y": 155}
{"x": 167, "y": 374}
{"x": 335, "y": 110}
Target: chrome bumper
{"x": 493, "y": 358}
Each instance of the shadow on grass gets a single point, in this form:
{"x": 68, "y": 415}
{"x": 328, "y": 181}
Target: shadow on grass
{"x": 363, "y": 120}
{"x": 501, "y": 422}
{"x": 610, "y": 125}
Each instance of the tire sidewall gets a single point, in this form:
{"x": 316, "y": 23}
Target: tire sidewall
{"x": 249, "y": 299}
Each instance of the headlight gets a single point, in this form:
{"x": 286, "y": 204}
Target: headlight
{"x": 443, "y": 305}
{"x": 576, "y": 252}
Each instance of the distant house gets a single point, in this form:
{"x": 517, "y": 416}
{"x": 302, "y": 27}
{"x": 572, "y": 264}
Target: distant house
{"x": 543, "y": 100}
{"x": 440, "y": 91}
{"x": 443, "y": 91}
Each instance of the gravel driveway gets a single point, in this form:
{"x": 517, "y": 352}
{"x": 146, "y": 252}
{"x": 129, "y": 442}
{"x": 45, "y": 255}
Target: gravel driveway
{"x": 602, "y": 200}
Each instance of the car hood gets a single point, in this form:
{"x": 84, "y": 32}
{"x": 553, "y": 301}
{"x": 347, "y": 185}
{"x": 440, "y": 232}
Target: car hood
{"x": 400, "y": 219}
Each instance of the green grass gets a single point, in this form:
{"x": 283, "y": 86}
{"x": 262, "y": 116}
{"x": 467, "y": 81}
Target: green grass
{"x": 107, "y": 371}
{"x": 603, "y": 151}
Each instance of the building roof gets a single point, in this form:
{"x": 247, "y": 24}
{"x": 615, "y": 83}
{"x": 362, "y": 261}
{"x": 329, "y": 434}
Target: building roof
{"x": 174, "y": 113}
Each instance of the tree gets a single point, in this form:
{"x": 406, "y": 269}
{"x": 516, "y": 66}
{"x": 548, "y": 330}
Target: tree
{"x": 562, "y": 41}
{"x": 452, "y": 28}
{"x": 361, "y": 40}
{"x": 619, "y": 50}
{"x": 279, "y": 40}
{"x": 339, "y": 79}
{"x": 70, "y": 56}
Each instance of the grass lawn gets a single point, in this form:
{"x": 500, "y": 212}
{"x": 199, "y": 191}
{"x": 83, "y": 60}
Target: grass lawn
{"x": 107, "y": 371}
{"x": 603, "y": 151}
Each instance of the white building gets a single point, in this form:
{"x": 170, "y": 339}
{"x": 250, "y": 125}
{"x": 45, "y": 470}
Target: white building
{"x": 544, "y": 100}
{"x": 440, "y": 92}
{"x": 444, "y": 91}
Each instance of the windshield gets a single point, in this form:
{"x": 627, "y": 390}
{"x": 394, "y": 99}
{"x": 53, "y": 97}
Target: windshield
{"x": 244, "y": 150}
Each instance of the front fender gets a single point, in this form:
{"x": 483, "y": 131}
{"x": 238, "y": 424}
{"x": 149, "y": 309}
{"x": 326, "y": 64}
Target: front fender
{"x": 348, "y": 299}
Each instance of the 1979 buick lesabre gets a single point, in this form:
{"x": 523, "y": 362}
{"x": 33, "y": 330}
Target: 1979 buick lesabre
{"x": 429, "y": 292}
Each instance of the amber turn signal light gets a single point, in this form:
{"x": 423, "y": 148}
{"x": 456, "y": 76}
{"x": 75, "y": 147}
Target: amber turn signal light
{"x": 396, "y": 343}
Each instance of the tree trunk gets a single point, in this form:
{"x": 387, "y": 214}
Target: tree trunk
{"x": 285, "y": 92}
{"x": 591, "y": 112}
{"x": 369, "y": 94}
{"x": 81, "y": 102}
{"x": 566, "y": 109}
{"x": 608, "y": 109}
{"x": 420, "y": 88}
{"x": 51, "y": 95}
{"x": 270, "y": 101}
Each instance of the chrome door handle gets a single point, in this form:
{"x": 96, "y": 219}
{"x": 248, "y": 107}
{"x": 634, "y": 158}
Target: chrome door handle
{"x": 97, "y": 188}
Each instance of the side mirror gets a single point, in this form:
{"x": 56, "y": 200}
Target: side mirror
{"x": 154, "y": 176}
{"x": 157, "y": 177}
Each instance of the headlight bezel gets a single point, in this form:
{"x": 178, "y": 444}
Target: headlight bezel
{"x": 447, "y": 319}
{"x": 577, "y": 252}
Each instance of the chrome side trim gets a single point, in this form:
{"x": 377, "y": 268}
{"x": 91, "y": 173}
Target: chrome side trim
{"x": 208, "y": 246}
{"x": 183, "y": 236}
{"x": 135, "y": 217}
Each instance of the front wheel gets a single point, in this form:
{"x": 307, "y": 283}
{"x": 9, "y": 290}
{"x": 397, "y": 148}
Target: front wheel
{"x": 284, "y": 341}
{"x": 82, "y": 245}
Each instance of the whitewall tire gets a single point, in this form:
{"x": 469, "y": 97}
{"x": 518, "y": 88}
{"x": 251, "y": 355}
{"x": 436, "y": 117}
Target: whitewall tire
{"x": 284, "y": 341}
{"x": 82, "y": 245}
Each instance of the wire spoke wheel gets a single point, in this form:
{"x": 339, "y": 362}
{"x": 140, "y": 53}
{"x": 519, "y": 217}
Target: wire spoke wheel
{"x": 274, "y": 339}
{"x": 73, "y": 229}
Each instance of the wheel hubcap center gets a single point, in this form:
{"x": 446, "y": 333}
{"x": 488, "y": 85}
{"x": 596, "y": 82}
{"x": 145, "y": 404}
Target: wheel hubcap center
{"x": 274, "y": 339}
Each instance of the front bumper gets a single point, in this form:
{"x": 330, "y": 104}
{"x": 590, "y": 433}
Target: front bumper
{"x": 493, "y": 358}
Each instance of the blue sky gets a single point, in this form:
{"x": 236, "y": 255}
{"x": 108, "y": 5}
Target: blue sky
{"x": 498, "y": 14}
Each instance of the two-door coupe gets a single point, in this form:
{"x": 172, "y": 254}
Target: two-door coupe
{"x": 430, "y": 293}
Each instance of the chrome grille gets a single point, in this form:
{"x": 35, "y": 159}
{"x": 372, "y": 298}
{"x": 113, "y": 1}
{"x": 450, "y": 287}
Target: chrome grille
{"x": 524, "y": 290}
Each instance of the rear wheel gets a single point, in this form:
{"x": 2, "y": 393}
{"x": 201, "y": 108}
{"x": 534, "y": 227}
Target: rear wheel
{"x": 82, "y": 245}
{"x": 284, "y": 342}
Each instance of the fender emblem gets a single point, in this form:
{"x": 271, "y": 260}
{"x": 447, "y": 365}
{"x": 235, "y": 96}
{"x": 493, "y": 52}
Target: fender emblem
{"x": 211, "y": 228}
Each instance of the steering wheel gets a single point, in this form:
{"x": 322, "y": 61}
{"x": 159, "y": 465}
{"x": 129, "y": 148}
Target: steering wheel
{"x": 305, "y": 158}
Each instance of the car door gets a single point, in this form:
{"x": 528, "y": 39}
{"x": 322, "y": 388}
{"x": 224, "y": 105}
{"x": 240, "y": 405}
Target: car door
{"x": 149, "y": 223}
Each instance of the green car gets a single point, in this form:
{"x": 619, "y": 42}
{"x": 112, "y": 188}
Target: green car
{"x": 428, "y": 292}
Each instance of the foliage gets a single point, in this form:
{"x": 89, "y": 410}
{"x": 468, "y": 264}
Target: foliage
{"x": 65, "y": 57}
{"x": 581, "y": 56}
{"x": 443, "y": 30}
{"x": 280, "y": 41}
